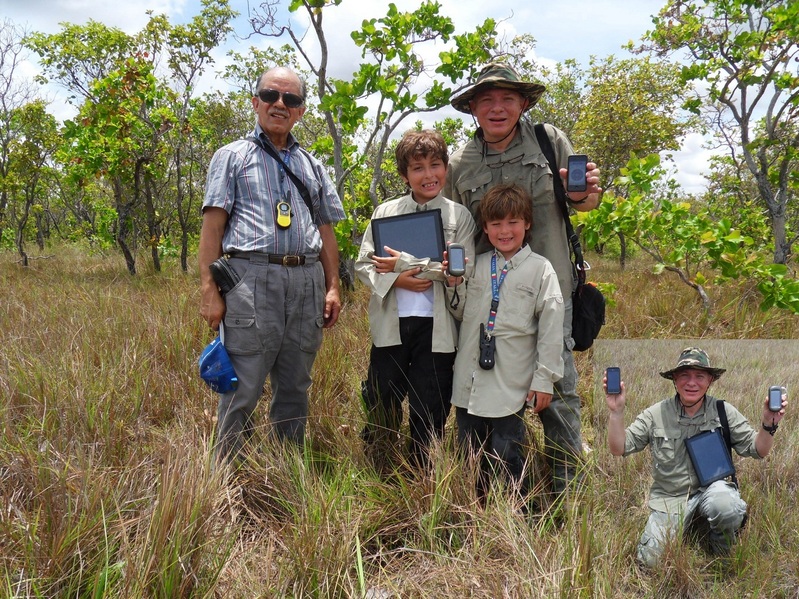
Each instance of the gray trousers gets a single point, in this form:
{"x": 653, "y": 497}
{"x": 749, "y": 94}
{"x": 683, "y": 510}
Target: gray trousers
{"x": 273, "y": 326}
{"x": 715, "y": 515}
{"x": 563, "y": 442}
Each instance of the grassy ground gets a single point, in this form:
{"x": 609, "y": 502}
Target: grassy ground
{"x": 108, "y": 489}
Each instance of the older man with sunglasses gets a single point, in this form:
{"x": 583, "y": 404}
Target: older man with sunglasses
{"x": 270, "y": 208}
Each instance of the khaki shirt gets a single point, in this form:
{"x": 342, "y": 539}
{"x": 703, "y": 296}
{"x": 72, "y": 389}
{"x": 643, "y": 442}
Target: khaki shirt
{"x": 528, "y": 331}
{"x": 458, "y": 227}
{"x": 471, "y": 174}
{"x": 664, "y": 428}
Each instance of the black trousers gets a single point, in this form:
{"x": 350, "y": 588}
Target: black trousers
{"x": 413, "y": 370}
{"x": 499, "y": 443}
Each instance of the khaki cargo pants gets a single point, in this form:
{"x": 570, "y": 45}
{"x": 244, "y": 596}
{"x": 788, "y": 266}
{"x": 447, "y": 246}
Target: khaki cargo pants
{"x": 714, "y": 515}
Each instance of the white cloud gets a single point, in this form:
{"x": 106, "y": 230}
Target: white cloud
{"x": 583, "y": 29}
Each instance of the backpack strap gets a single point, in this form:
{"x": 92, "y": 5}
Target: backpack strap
{"x": 725, "y": 430}
{"x": 560, "y": 194}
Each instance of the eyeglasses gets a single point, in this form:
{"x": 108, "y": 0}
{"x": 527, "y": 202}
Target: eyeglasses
{"x": 270, "y": 96}
{"x": 502, "y": 163}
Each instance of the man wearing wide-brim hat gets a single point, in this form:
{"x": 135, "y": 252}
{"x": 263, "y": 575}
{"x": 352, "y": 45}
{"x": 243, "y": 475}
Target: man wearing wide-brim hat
{"x": 504, "y": 149}
{"x": 679, "y": 498}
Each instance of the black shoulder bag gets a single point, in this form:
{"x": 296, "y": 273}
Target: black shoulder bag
{"x": 588, "y": 303}
{"x": 306, "y": 196}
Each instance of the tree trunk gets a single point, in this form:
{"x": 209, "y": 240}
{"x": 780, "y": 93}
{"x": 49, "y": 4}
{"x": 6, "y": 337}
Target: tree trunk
{"x": 124, "y": 227}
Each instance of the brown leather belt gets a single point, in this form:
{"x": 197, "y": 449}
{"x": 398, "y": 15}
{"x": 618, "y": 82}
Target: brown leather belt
{"x": 281, "y": 259}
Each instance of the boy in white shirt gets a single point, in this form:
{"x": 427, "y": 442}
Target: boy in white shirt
{"x": 413, "y": 332}
{"x": 511, "y": 337}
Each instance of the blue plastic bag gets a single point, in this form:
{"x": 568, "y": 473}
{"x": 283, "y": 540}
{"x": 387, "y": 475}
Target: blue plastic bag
{"x": 216, "y": 369}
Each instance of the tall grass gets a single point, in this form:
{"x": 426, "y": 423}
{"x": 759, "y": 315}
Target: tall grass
{"x": 108, "y": 487}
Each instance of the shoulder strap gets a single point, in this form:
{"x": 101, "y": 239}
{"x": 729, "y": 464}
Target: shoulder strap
{"x": 294, "y": 178}
{"x": 725, "y": 430}
{"x": 560, "y": 194}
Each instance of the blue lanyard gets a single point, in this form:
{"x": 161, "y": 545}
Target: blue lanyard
{"x": 496, "y": 283}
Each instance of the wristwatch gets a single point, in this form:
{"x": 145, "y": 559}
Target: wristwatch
{"x": 576, "y": 202}
{"x": 770, "y": 429}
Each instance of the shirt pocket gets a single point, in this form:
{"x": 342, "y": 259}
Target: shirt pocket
{"x": 474, "y": 309}
{"x": 538, "y": 179}
{"x": 450, "y": 230}
{"x": 665, "y": 445}
{"x": 519, "y": 308}
{"x": 472, "y": 187}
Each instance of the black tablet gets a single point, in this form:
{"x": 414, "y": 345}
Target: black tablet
{"x": 417, "y": 233}
{"x": 710, "y": 457}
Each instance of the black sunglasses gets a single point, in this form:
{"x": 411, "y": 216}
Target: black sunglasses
{"x": 270, "y": 96}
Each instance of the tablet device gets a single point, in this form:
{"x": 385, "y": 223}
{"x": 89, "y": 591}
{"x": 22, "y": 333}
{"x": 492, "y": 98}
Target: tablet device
{"x": 710, "y": 457}
{"x": 417, "y": 233}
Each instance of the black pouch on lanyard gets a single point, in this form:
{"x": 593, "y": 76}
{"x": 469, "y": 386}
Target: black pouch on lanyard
{"x": 487, "y": 349}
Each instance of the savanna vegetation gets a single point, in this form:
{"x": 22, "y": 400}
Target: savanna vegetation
{"x": 107, "y": 481}
{"x": 108, "y": 487}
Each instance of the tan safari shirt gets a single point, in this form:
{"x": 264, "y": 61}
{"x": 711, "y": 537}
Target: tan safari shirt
{"x": 471, "y": 174}
{"x": 528, "y": 331}
{"x": 459, "y": 227}
{"x": 664, "y": 428}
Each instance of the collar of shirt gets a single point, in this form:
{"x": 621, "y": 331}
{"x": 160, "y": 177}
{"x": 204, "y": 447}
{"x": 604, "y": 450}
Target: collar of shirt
{"x": 290, "y": 143}
{"x": 515, "y": 260}
{"x": 703, "y": 416}
{"x": 408, "y": 204}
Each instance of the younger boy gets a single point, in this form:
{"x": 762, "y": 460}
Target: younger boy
{"x": 509, "y": 355}
{"x": 413, "y": 334}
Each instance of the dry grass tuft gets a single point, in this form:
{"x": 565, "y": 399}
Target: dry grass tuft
{"x": 108, "y": 489}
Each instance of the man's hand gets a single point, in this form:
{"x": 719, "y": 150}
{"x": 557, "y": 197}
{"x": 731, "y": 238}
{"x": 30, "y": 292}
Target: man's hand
{"x": 588, "y": 199}
{"x": 332, "y": 307}
{"x": 770, "y": 417}
{"x": 616, "y": 432}
{"x": 329, "y": 259}
{"x": 764, "y": 440}
{"x": 615, "y": 401}
{"x": 212, "y": 306}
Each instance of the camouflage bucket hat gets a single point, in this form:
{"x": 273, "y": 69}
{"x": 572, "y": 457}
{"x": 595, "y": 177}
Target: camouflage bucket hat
{"x": 693, "y": 357}
{"x": 498, "y": 75}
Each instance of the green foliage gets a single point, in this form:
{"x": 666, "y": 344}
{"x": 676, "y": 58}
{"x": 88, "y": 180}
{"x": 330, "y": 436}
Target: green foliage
{"x": 743, "y": 53}
{"x": 133, "y": 132}
{"x": 686, "y": 241}
{"x": 395, "y": 50}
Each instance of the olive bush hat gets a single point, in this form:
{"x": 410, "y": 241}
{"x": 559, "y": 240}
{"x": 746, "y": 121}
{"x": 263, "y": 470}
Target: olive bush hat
{"x": 499, "y": 75}
{"x": 693, "y": 357}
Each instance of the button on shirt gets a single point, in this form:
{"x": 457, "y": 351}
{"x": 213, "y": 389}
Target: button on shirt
{"x": 664, "y": 428}
{"x": 248, "y": 184}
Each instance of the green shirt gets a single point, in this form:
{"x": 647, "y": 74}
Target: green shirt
{"x": 664, "y": 428}
{"x": 475, "y": 168}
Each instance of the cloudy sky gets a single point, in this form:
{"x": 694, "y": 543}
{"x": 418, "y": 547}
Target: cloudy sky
{"x": 575, "y": 29}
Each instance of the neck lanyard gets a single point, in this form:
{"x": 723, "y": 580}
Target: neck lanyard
{"x": 496, "y": 283}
